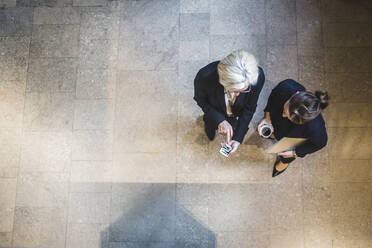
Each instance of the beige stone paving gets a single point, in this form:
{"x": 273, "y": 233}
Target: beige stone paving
{"x": 102, "y": 145}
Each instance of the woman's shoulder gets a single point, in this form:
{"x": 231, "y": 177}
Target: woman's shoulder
{"x": 286, "y": 88}
{"x": 316, "y": 125}
{"x": 290, "y": 85}
{"x": 208, "y": 70}
{"x": 261, "y": 77}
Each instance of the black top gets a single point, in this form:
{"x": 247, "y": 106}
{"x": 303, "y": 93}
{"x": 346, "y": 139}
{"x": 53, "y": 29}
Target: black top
{"x": 210, "y": 96}
{"x": 313, "y": 130}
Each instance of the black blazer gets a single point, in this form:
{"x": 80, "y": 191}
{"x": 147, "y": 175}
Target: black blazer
{"x": 210, "y": 96}
{"x": 314, "y": 130}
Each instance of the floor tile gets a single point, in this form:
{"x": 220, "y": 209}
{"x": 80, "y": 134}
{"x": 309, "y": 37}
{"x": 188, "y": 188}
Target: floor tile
{"x": 89, "y": 207}
{"x": 348, "y": 35}
{"x": 162, "y": 54}
{"x": 309, "y": 27}
{"x": 235, "y": 17}
{"x": 310, "y": 39}
{"x": 292, "y": 239}
{"x": 224, "y": 198}
{"x": 338, "y": 10}
{"x": 99, "y": 23}
{"x": 13, "y": 69}
{"x": 98, "y": 54}
{"x": 192, "y": 194}
{"x": 142, "y": 244}
{"x": 241, "y": 239}
{"x": 343, "y": 142}
{"x": 187, "y": 71}
{"x": 311, "y": 73}
{"x": 190, "y": 124}
{"x": 223, "y": 45}
{"x": 16, "y": 22}
{"x": 316, "y": 168}
{"x": 52, "y": 74}
{"x": 342, "y": 243}
{"x": 6, "y": 239}
{"x": 14, "y": 46}
{"x": 248, "y": 164}
{"x": 349, "y": 115}
{"x": 359, "y": 199}
{"x": 317, "y": 200}
{"x": 47, "y": 15}
{"x": 310, "y": 64}
{"x": 281, "y": 63}
{"x": 349, "y": 87}
{"x": 194, "y": 50}
{"x": 8, "y": 3}
{"x": 351, "y": 228}
{"x": 95, "y": 3}
{"x": 194, "y": 26}
{"x": 150, "y": 20}
{"x": 42, "y": 189}
{"x": 94, "y": 114}
{"x": 95, "y": 83}
{"x": 91, "y": 176}
{"x": 48, "y": 111}
{"x": 191, "y": 229}
{"x": 47, "y": 3}
{"x": 259, "y": 114}
{"x": 194, "y": 6}
{"x": 192, "y": 163}
{"x": 287, "y": 216}
{"x": 127, "y": 197}
{"x": 143, "y": 213}
{"x": 256, "y": 205}
{"x": 7, "y": 202}
{"x": 317, "y": 236}
{"x": 46, "y": 152}
{"x": 54, "y": 41}
{"x": 280, "y": 19}
{"x": 92, "y": 145}
{"x": 87, "y": 236}
{"x": 10, "y": 150}
{"x": 39, "y": 227}
{"x": 348, "y": 59}
{"x": 145, "y": 167}
{"x": 148, "y": 127}
{"x": 348, "y": 170}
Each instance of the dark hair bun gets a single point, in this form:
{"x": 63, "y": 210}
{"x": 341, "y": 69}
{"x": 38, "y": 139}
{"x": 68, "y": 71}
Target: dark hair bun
{"x": 323, "y": 98}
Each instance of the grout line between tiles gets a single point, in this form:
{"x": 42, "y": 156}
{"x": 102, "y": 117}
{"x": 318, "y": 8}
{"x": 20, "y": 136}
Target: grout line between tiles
{"x": 22, "y": 128}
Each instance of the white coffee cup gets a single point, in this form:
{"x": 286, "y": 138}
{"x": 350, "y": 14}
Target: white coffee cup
{"x": 265, "y": 131}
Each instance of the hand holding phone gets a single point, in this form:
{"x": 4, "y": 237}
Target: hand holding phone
{"x": 226, "y": 150}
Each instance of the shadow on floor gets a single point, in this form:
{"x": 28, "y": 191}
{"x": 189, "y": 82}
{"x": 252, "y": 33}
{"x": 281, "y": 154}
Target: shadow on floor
{"x": 147, "y": 216}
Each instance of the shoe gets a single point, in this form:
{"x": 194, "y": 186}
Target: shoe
{"x": 211, "y": 133}
{"x": 275, "y": 172}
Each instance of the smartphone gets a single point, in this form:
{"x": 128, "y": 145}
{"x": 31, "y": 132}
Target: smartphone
{"x": 226, "y": 150}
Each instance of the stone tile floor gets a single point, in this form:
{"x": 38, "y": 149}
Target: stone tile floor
{"x": 102, "y": 146}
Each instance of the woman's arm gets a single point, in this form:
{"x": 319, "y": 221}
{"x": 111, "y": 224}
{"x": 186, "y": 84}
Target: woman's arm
{"x": 267, "y": 117}
{"x": 201, "y": 98}
{"x": 315, "y": 142}
{"x": 265, "y": 121}
{"x": 248, "y": 111}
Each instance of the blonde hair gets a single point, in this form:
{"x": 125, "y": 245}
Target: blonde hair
{"x": 238, "y": 70}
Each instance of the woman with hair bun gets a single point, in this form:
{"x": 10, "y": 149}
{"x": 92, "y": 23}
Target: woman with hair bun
{"x": 227, "y": 91}
{"x": 291, "y": 111}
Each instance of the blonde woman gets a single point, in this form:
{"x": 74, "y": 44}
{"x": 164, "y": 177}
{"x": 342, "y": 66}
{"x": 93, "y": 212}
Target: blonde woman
{"x": 227, "y": 91}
